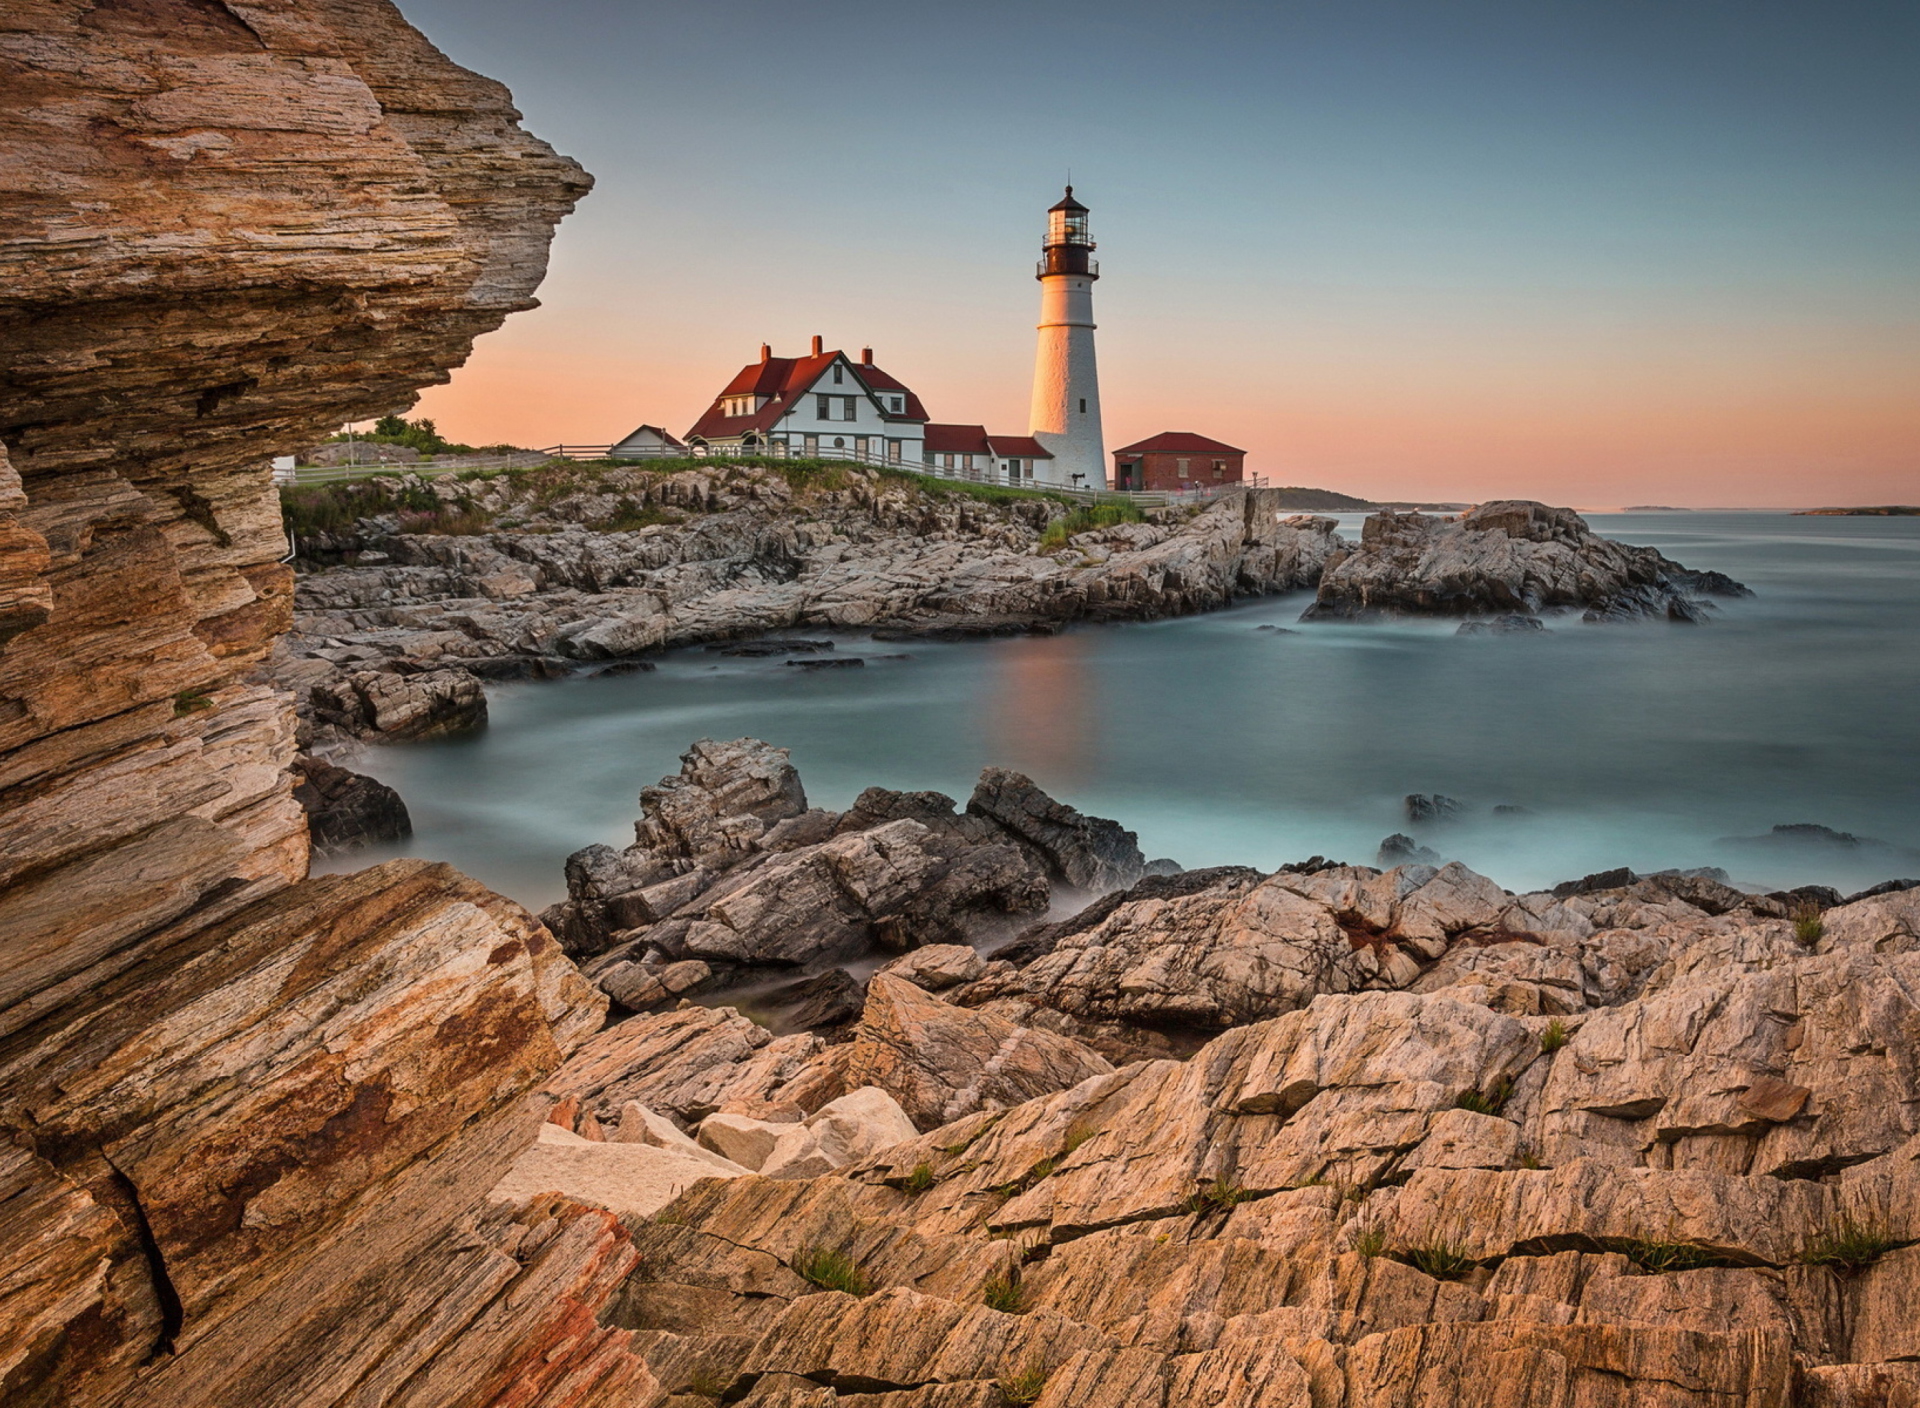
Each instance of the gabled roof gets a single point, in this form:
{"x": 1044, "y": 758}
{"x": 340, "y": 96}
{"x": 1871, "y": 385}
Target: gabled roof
{"x": 783, "y": 380}
{"x": 1178, "y": 442}
{"x": 958, "y": 440}
{"x": 639, "y": 430}
{"x": 1019, "y": 447}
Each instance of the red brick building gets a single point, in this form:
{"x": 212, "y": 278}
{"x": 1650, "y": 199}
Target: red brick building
{"x": 1177, "y": 459}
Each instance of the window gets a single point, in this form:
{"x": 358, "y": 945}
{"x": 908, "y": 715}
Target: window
{"x": 825, "y": 407}
{"x": 1083, "y": 405}
{"x": 860, "y": 444}
{"x": 899, "y": 403}
{"x": 1183, "y": 467}
{"x": 813, "y": 447}
{"x": 1219, "y": 469}
{"x": 893, "y": 452}
{"x": 849, "y": 408}
{"x": 838, "y": 378}
{"x": 946, "y": 461}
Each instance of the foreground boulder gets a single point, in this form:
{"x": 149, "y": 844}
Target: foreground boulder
{"x": 1504, "y": 559}
{"x": 730, "y": 868}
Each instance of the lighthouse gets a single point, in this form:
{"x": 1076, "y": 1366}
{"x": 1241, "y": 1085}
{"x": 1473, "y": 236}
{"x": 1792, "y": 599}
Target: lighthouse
{"x": 1066, "y": 386}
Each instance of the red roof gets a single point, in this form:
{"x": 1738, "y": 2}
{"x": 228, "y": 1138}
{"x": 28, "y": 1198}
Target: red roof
{"x": 958, "y": 440}
{"x": 1178, "y": 442}
{"x": 784, "y": 380}
{"x": 1019, "y": 447}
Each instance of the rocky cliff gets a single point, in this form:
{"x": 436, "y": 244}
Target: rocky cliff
{"x": 246, "y": 1116}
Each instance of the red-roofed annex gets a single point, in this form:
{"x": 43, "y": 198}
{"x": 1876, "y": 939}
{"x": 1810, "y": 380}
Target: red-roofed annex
{"x": 1177, "y": 460}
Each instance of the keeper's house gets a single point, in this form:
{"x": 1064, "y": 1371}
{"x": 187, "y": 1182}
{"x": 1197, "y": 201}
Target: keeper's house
{"x": 814, "y": 406}
{"x": 1177, "y": 460}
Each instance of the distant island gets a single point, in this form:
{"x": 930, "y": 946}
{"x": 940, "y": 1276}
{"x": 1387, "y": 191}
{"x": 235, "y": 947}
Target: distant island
{"x": 1296, "y": 497}
{"x": 1654, "y": 508}
{"x": 1883, "y": 511}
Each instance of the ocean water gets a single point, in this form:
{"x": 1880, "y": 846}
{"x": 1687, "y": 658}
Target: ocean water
{"x": 1645, "y": 745}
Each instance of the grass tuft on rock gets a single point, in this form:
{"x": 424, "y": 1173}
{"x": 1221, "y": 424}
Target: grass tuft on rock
{"x": 1025, "y": 1387}
{"x": 1444, "y": 1261}
{"x": 1554, "y": 1037}
{"x": 1370, "y": 1241}
{"x": 1218, "y": 1196}
{"x": 831, "y": 1270}
{"x": 921, "y": 1180}
{"x": 1085, "y": 520}
{"x": 1658, "y": 1257}
{"x": 1004, "y": 1294}
{"x": 1849, "y": 1245}
{"x": 1808, "y": 927}
{"x": 1488, "y": 1102}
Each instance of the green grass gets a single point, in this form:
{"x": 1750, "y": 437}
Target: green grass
{"x": 1658, "y": 1256}
{"x": 1849, "y": 1246}
{"x": 191, "y": 701}
{"x": 1489, "y": 1102}
{"x": 1218, "y": 1196}
{"x": 1372, "y": 1241}
{"x": 1077, "y": 1138}
{"x": 1085, "y": 520}
{"x": 831, "y": 1270}
{"x": 1025, "y": 1387}
{"x": 707, "y": 1383}
{"x": 921, "y": 1180}
{"x": 1004, "y": 1294}
{"x": 628, "y": 516}
{"x": 1443, "y": 1261}
{"x": 336, "y": 508}
{"x": 1554, "y": 1037}
{"x": 1808, "y": 927}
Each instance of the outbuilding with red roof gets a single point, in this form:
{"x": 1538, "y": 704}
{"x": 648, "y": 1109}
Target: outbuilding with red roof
{"x": 1177, "y": 460}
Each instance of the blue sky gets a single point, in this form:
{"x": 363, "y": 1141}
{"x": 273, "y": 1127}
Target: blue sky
{"x": 1600, "y": 252}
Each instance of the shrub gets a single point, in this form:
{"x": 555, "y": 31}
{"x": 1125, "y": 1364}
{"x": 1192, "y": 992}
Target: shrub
{"x": 920, "y": 1180}
{"x": 1490, "y": 1102}
{"x": 1808, "y": 926}
{"x": 1004, "y": 1294}
{"x": 831, "y": 1270}
{"x": 191, "y": 701}
{"x": 1025, "y": 1387}
{"x": 1441, "y": 1260}
{"x": 1849, "y": 1246}
{"x": 1554, "y": 1037}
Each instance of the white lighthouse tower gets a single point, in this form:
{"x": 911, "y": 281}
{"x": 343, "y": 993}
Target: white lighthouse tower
{"x": 1066, "y": 386}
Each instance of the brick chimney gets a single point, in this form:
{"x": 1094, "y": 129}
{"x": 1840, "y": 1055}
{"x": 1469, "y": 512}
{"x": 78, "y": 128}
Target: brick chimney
{"x": 818, "y": 346}
{"x": 766, "y": 351}
{"x": 866, "y": 356}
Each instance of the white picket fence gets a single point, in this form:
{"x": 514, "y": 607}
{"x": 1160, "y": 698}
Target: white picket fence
{"x": 448, "y": 464}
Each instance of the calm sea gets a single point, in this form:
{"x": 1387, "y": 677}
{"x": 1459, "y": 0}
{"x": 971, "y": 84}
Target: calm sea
{"x": 1219, "y": 742}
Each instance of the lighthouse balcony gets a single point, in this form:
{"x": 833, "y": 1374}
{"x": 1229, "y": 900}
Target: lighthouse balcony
{"x": 1082, "y": 265}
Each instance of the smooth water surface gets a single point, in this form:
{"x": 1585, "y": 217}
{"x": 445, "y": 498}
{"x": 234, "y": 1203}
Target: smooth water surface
{"x": 1221, "y": 743}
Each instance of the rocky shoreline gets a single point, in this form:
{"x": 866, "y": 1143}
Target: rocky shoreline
{"x": 401, "y": 613}
{"x": 1333, "y": 1134}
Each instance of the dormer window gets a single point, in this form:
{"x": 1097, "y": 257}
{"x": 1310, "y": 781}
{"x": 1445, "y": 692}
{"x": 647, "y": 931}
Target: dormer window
{"x": 899, "y": 403}
{"x": 839, "y": 374}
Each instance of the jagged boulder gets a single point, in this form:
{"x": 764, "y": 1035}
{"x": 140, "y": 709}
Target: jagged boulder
{"x": 1089, "y": 853}
{"x": 347, "y": 809}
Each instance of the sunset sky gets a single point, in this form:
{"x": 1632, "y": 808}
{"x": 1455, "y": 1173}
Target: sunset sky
{"x": 1599, "y": 253}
